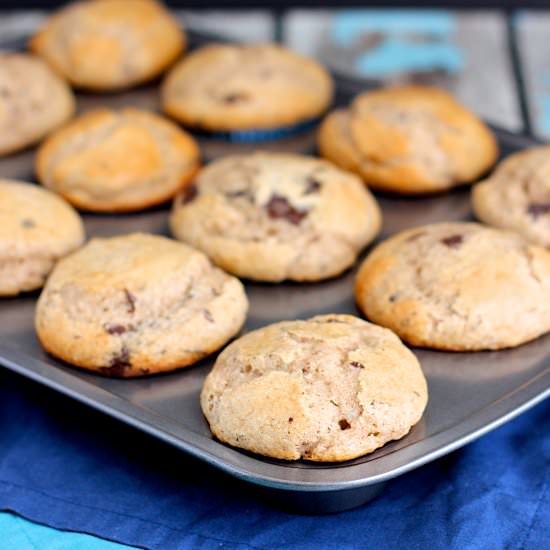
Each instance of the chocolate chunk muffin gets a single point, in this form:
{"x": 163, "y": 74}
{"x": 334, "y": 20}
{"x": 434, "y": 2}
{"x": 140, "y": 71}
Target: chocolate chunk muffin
{"x": 226, "y": 87}
{"x": 517, "y": 195}
{"x": 105, "y": 45}
{"x": 115, "y": 161}
{"x": 36, "y": 229}
{"x": 33, "y": 101}
{"x": 275, "y": 216}
{"x": 330, "y": 388}
{"x": 409, "y": 139}
{"x": 137, "y": 304}
{"x": 457, "y": 286}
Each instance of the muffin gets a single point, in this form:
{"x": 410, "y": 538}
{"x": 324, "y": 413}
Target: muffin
{"x": 227, "y": 88}
{"x": 115, "y": 161}
{"x": 107, "y": 45}
{"x": 137, "y": 304}
{"x": 276, "y": 216}
{"x": 36, "y": 229}
{"x": 329, "y": 388}
{"x": 457, "y": 287}
{"x": 409, "y": 140}
{"x": 33, "y": 101}
{"x": 517, "y": 195}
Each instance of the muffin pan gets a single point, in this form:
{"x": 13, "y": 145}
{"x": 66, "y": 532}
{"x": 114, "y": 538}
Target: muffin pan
{"x": 470, "y": 393}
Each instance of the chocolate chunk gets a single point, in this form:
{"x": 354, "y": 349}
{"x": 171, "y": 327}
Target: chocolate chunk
{"x": 536, "y": 209}
{"x": 130, "y": 300}
{"x": 454, "y": 241}
{"x": 189, "y": 194}
{"x": 27, "y": 223}
{"x": 118, "y": 363}
{"x": 279, "y": 207}
{"x": 208, "y": 316}
{"x": 114, "y": 329}
{"x": 392, "y": 298}
{"x": 291, "y": 420}
{"x": 236, "y": 97}
{"x": 312, "y": 186}
{"x": 344, "y": 424}
{"x": 357, "y": 365}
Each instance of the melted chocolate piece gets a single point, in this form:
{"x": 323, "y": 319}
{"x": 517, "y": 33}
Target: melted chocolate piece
{"x": 208, "y": 316}
{"x": 454, "y": 241}
{"x": 279, "y": 207}
{"x": 27, "y": 223}
{"x": 357, "y": 365}
{"x": 119, "y": 363}
{"x": 115, "y": 329}
{"x": 189, "y": 194}
{"x": 344, "y": 424}
{"x": 237, "y": 97}
{"x": 536, "y": 209}
{"x": 130, "y": 300}
{"x": 313, "y": 186}
{"x": 290, "y": 419}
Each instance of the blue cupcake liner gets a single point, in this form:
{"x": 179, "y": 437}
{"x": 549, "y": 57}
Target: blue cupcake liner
{"x": 267, "y": 134}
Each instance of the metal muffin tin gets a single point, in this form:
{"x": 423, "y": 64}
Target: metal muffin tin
{"x": 470, "y": 393}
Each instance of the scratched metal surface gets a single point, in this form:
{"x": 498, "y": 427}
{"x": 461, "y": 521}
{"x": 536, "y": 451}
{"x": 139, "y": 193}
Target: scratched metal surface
{"x": 469, "y": 393}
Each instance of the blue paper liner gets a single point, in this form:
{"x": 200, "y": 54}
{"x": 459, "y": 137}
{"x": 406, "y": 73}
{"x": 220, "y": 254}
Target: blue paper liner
{"x": 266, "y": 134}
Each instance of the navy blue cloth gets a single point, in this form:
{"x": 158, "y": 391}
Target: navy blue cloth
{"x": 69, "y": 467}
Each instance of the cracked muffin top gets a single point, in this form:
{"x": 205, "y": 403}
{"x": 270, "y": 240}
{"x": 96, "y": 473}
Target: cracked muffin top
{"x": 33, "y": 101}
{"x": 517, "y": 195}
{"x": 36, "y": 229}
{"x": 276, "y": 216}
{"x": 457, "y": 286}
{"x": 236, "y": 87}
{"x": 117, "y": 160}
{"x": 409, "y": 139}
{"x": 110, "y": 44}
{"x": 137, "y": 304}
{"x": 331, "y": 388}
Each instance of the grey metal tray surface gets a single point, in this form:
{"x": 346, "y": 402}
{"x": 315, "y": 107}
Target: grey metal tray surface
{"x": 470, "y": 393}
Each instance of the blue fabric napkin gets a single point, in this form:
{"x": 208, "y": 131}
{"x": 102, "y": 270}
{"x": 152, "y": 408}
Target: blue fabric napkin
{"x": 66, "y": 466}
{"x": 21, "y": 534}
